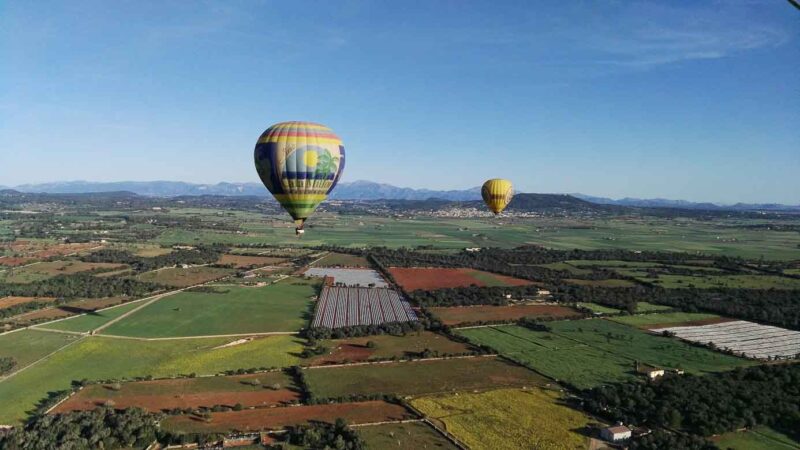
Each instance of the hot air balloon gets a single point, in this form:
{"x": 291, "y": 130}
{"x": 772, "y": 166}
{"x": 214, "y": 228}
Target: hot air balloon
{"x": 497, "y": 194}
{"x": 300, "y": 164}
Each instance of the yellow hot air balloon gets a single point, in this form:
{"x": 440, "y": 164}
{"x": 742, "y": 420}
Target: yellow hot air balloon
{"x": 300, "y": 164}
{"x": 497, "y": 194}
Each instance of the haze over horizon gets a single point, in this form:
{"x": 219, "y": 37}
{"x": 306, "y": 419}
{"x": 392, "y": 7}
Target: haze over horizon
{"x": 680, "y": 100}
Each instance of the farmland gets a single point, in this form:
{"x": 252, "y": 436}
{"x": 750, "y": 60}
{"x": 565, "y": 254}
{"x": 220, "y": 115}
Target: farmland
{"x": 421, "y": 377}
{"x": 67, "y": 309}
{"x": 107, "y": 358}
{"x": 428, "y": 278}
{"x": 28, "y": 346}
{"x": 278, "y": 418}
{"x": 472, "y": 314}
{"x": 179, "y": 277}
{"x": 7, "y": 302}
{"x": 661, "y": 319}
{"x": 221, "y": 310}
{"x": 341, "y": 307}
{"x": 750, "y": 339}
{"x": 93, "y": 319}
{"x": 760, "y": 438}
{"x": 508, "y": 419}
{"x": 386, "y": 346}
{"x": 586, "y": 353}
{"x": 45, "y": 270}
{"x": 404, "y": 436}
{"x": 341, "y": 260}
{"x": 260, "y": 389}
{"x": 348, "y": 277}
{"x": 599, "y": 309}
{"x": 245, "y": 261}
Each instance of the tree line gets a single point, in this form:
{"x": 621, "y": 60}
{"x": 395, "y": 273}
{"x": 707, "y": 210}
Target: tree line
{"x": 202, "y": 254}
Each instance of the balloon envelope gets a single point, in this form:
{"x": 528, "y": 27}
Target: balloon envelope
{"x": 497, "y": 194}
{"x": 300, "y": 164}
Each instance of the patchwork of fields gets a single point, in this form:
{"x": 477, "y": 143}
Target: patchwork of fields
{"x": 487, "y": 313}
{"x": 386, "y": 346}
{"x": 350, "y": 306}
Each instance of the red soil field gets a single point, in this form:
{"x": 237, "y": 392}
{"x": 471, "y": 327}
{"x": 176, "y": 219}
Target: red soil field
{"x": 470, "y": 314}
{"x": 68, "y": 309}
{"x": 429, "y": 278}
{"x": 155, "y": 403}
{"x": 7, "y": 302}
{"x": 278, "y": 418}
{"x": 15, "y": 262}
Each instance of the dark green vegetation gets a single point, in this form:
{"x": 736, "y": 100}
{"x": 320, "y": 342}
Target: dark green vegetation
{"x": 404, "y": 436}
{"x": 587, "y": 353}
{"x": 101, "y": 428}
{"x": 323, "y": 435}
{"x": 712, "y": 404}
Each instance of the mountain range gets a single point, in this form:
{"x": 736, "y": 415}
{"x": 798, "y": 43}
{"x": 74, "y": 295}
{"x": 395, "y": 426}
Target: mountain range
{"x": 357, "y": 190}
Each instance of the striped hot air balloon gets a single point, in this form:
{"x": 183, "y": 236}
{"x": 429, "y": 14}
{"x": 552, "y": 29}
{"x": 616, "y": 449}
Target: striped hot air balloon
{"x": 497, "y": 194}
{"x": 300, "y": 164}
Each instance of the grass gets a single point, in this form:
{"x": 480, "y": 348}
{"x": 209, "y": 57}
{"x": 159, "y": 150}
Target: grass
{"x": 27, "y": 346}
{"x": 109, "y": 358}
{"x": 404, "y": 436}
{"x": 760, "y": 438}
{"x": 343, "y": 260}
{"x": 419, "y": 377}
{"x": 49, "y": 269}
{"x": 281, "y": 306}
{"x": 610, "y": 283}
{"x": 724, "y": 281}
{"x": 179, "y": 277}
{"x": 644, "y": 320}
{"x": 587, "y": 353}
{"x": 644, "y": 307}
{"x": 599, "y": 308}
{"x": 508, "y": 419}
{"x": 386, "y": 346}
{"x": 91, "y": 320}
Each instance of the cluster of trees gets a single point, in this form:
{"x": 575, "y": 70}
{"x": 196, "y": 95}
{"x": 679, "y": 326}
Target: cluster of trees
{"x": 320, "y": 435}
{"x": 660, "y": 439}
{"x": 706, "y": 405}
{"x": 83, "y": 285}
{"x": 202, "y": 254}
{"x": 471, "y": 295}
{"x": 393, "y": 328}
{"x": 779, "y": 307}
{"x": 99, "y": 428}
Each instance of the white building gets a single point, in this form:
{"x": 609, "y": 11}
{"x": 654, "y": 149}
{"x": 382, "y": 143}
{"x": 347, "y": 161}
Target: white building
{"x": 616, "y": 433}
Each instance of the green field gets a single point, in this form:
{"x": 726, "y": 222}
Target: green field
{"x": 722, "y": 281}
{"x": 179, "y": 277}
{"x": 644, "y": 307}
{"x": 386, "y": 346}
{"x": 586, "y": 353}
{"x": 108, "y": 358}
{"x": 644, "y": 320}
{"x": 760, "y": 438}
{"x": 27, "y": 346}
{"x": 90, "y": 321}
{"x": 404, "y": 436}
{"x": 281, "y": 306}
{"x": 509, "y": 419}
{"x": 599, "y": 308}
{"x": 419, "y": 377}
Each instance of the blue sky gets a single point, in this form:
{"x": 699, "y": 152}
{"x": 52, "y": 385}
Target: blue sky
{"x": 693, "y": 100}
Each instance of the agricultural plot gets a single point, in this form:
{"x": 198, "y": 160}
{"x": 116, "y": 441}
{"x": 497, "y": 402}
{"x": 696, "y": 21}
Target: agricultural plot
{"x": 44, "y": 270}
{"x": 404, "y": 436}
{"x": 609, "y": 283}
{"x": 244, "y": 261}
{"x": 659, "y": 320}
{"x": 386, "y": 346}
{"x": 430, "y": 278}
{"x": 746, "y": 281}
{"x": 644, "y": 307}
{"x": 258, "y": 390}
{"x": 759, "y": 438}
{"x": 279, "y": 418}
{"x": 68, "y": 309}
{"x": 8, "y": 302}
{"x": 509, "y": 419}
{"x": 221, "y": 310}
{"x": 342, "y": 260}
{"x": 28, "y": 346}
{"x": 348, "y": 277}
{"x": 179, "y": 277}
{"x": 485, "y": 313}
{"x": 100, "y": 358}
{"x": 599, "y": 309}
{"x": 92, "y": 319}
{"x": 343, "y": 307}
{"x": 587, "y": 353}
{"x": 420, "y": 377}
{"x": 750, "y": 339}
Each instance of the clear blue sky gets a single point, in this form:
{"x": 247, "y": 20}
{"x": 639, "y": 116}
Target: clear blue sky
{"x": 694, "y": 100}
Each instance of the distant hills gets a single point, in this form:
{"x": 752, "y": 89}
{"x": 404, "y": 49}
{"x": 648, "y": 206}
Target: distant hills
{"x": 368, "y": 190}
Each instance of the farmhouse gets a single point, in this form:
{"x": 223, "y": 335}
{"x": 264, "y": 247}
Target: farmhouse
{"x": 616, "y": 433}
{"x": 651, "y": 372}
